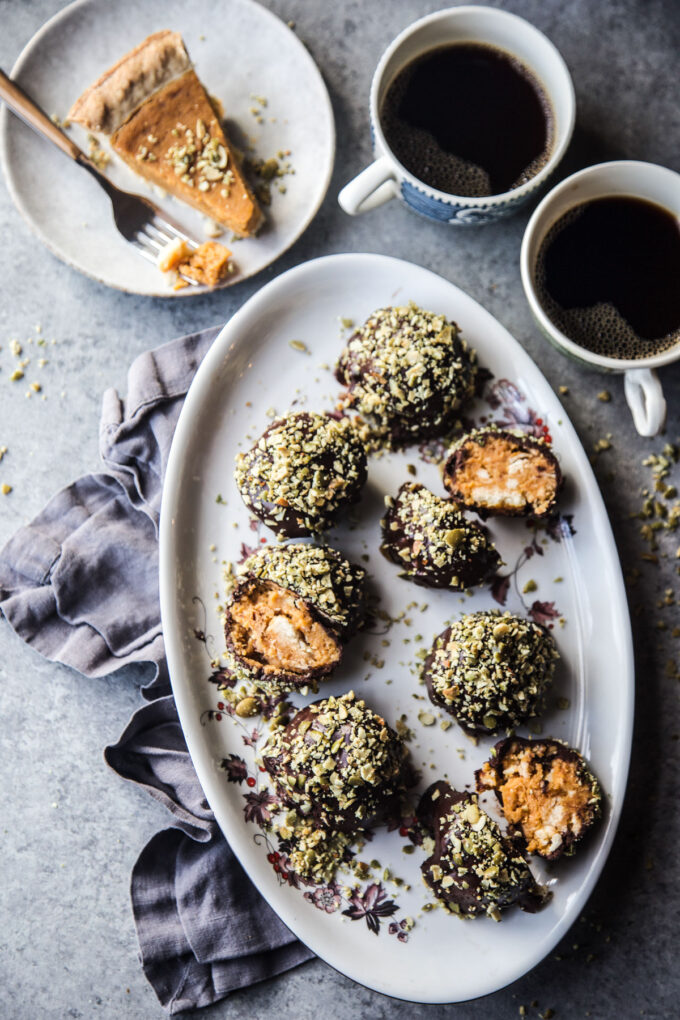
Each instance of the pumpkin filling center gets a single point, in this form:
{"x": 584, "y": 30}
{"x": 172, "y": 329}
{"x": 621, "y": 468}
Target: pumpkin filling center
{"x": 273, "y": 627}
{"x": 500, "y": 474}
{"x": 546, "y": 800}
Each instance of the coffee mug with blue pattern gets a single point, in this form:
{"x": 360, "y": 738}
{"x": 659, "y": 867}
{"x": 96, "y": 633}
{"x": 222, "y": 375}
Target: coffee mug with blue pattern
{"x": 386, "y": 178}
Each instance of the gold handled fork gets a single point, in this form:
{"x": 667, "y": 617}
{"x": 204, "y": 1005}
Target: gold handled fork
{"x": 140, "y": 222}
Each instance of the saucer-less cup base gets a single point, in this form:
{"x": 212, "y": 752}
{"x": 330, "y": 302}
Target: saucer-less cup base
{"x": 386, "y": 178}
{"x": 657, "y": 184}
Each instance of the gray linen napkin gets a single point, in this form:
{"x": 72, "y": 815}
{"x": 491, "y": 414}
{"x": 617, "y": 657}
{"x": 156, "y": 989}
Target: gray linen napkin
{"x": 80, "y": 585}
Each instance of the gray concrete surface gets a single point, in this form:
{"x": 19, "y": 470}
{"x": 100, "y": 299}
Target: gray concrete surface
{"x": 71, "y": 830}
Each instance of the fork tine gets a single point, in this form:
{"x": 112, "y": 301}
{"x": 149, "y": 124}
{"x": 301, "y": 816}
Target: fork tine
{"x": 148, "y": 242}
{"x": 164, "y": 236}
{"x": 145, "y": 252}
{"x": 165, "y": 227}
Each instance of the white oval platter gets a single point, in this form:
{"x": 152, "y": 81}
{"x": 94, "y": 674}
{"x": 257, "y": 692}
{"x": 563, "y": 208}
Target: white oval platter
{"x": 240, "y": 51}
{"x": 250, "y": 373}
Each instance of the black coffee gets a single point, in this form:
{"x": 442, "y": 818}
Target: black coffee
{"x": 469, "y": 120}
{"x": 608, "y": 276}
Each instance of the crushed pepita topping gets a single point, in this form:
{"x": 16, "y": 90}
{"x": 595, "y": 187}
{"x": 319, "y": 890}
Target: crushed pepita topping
{"x": 490, "y": 670}
{"x": 338, "y": 766}
{"x": 409, "y": 370}
{"x": 301, "y": 472}
{"x": 199, "y": 158}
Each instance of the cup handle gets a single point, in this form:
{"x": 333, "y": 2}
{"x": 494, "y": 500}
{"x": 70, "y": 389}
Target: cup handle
{"x": 645, "y": 400}
{"x": 372, "y": 187}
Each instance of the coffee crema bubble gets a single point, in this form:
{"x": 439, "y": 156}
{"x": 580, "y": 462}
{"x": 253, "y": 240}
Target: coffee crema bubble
{"x": 468, "y": 119}
{"x": 607, "y": 276}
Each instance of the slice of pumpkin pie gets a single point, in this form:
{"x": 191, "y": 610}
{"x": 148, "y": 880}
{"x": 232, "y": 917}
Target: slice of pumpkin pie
{"x": 162, "y": 124}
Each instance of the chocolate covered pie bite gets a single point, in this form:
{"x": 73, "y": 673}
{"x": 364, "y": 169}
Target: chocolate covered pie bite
{"x": 339, "y": 763}
{"x": 302, "y": 472}
{"x": 161, "y": 122}
{"x": 490, "y": 670}
{"x": 408, "y": 371}
{"x": 287, "y": 619}
{"x": 473, "y": 869}
{"x": 548, "y": 795}
{"x": 433, "y": 543}
{"x": 492, "y": 471}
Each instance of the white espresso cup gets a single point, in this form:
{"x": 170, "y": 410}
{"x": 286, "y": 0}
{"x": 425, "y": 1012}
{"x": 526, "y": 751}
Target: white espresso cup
{"x": 647, "y": 181}
{"x": 386, "y": 178}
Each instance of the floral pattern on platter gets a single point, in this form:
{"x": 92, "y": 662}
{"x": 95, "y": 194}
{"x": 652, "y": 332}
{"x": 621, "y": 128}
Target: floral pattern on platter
{"x": 503, "y": 396}
{"x": 369, "y": 902}
{"x": 516, "y": 414}
{"x": 557, "y": 529}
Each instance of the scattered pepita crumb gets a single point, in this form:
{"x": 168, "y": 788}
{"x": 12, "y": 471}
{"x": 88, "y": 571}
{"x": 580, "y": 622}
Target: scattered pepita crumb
{"x": 266, "y": 171}
{"x": 660, "y": 508}
{"x": 605, "y": 396}
{"x": 603, "y": 444}
{"x": 97, "y": 155}
{"x": 211, "y": 228}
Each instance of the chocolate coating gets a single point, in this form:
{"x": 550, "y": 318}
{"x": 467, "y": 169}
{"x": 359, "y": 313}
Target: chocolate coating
{"x": 490, "y": 670}
{"x": 302, "y": 472}
{"x": 321, "y": 576}
{"x": 409, "y": 371}
{"x": 495, "y": 472}
{"x": 434, "y": 544}
{"x": 338, "y": 762}
{"x": 473, "y": 868}
{"x": 548, "y": 794}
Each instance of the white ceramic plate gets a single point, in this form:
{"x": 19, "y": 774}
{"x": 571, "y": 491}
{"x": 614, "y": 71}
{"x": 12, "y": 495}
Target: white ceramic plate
{"x": 251, "y": 370}
{"x": 239, "y": 49}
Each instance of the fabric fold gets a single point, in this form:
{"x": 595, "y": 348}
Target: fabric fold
{"x": 80, "y": 585}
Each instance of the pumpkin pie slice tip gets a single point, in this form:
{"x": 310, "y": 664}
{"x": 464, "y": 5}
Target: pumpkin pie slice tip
{"x": 161, "y": 122}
